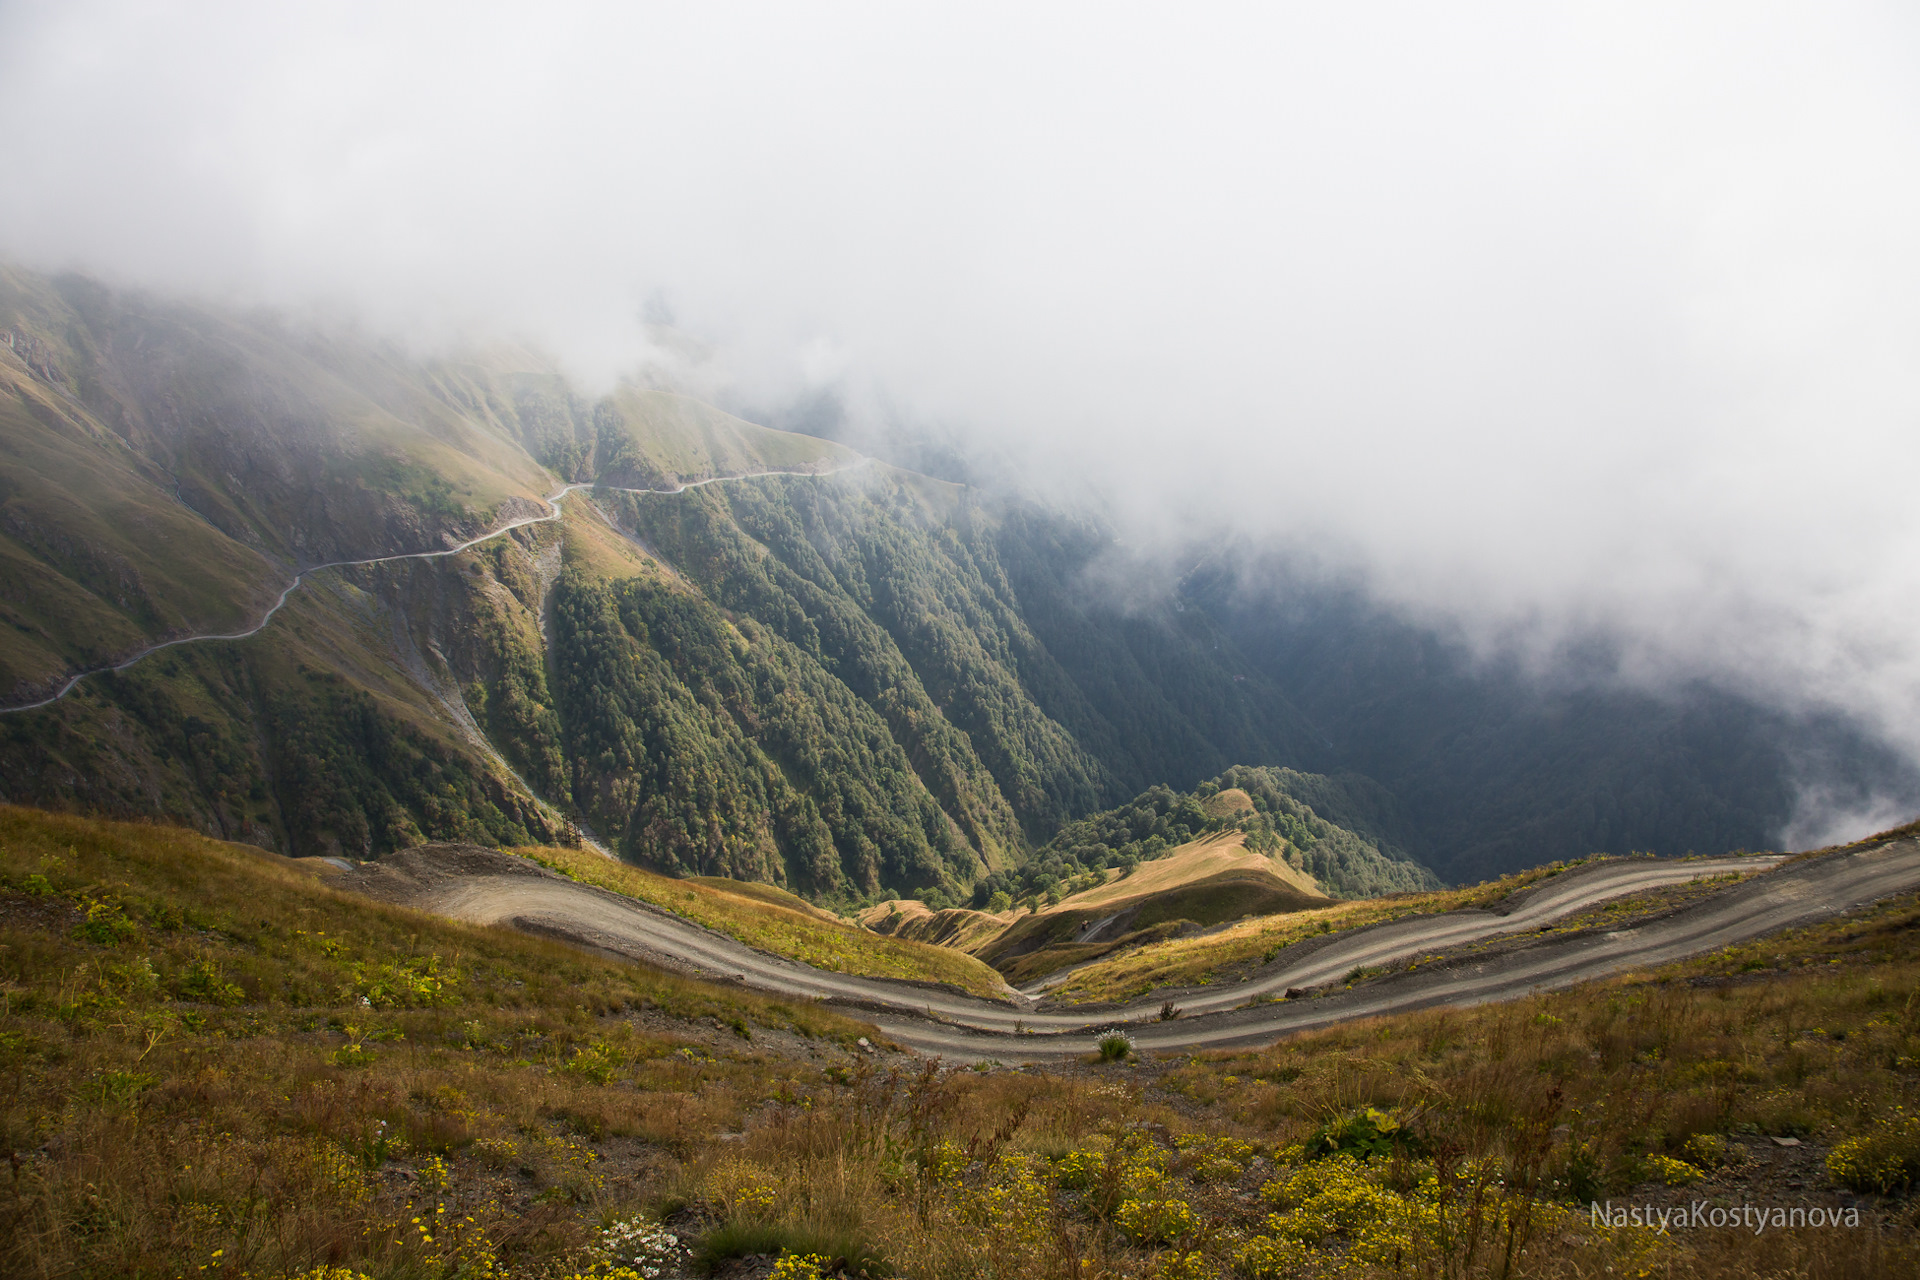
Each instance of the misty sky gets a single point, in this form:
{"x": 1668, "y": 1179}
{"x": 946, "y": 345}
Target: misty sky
{"x": 1546, "y": 319}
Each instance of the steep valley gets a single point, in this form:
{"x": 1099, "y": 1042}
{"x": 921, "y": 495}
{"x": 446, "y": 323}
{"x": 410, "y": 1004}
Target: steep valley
{"x": 713, "y": 648}
{"x": 641, "y": 837}
{"x": 852, "y": 680}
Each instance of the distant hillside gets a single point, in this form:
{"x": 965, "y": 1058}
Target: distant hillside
{"x": 866, "y": 684}
{"x": 860, "y": 685}
{"x": 1275, "y": 808}
{"x": 1495, "y": 768}
{"x": 1216, "y": 878}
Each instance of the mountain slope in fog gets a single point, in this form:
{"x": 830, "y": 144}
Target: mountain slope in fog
{"x": 848, "y": 683}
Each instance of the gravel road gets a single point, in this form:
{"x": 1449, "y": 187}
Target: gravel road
{"x": 487, "y": 887}
{"x": 553, "y": 513}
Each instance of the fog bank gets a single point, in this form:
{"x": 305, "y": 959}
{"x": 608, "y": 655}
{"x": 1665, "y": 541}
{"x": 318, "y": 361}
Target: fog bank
{"x": 1546, "y": 325}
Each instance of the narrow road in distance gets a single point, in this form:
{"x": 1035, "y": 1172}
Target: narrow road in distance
{"x": 553, "y": 513}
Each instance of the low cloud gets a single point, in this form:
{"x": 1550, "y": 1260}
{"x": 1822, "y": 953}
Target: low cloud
{"x": 1546, "y": 324}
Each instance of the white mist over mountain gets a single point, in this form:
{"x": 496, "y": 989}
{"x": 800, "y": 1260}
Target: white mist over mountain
{"x": 1548, "y": 322}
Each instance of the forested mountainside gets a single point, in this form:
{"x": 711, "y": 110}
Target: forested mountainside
{"x": 824, "y": 672}
{"x": 854, "y": 684}
{"x": 1495, "y": 768}
{"x": 1284, "y": 813}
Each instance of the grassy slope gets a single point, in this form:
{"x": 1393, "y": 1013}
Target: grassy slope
{"x": 97, "y": 559}
{"x": 190, "y": 1083}
{"x": 310, "y": 737}
{"x": 601, "y": 551}
{"x": 1204, "y": 882}
{"x": 1191, "y": 962}
{"x": 663, "y": 439}
{"x": 955, "y": 927}
{"x": 775, "y": 927}
{"x": 1198, "y": 860}
{"x": 773, "y": 895}
{"x": 1295, "y": 817}
{"x": 210, "y": 1090}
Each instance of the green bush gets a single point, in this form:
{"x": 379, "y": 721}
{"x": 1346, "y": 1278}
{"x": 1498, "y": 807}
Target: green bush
{"x": 403, "y": 983}
{"x": 106, "y": 923}
{"x": 202, "y": 983}
{"x": 1364, "y": 1134}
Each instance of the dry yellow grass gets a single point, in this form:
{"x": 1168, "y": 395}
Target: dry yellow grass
{"x": 1191, "y": 866}
{"x": 957, "y": 928}
{"x": 1191, "y": 862}
{"x": 1230, "y": 803}
{"x": 1189, "y": 961}
{"x": 805, "y": 935}
{"x": 195, "y": 1082}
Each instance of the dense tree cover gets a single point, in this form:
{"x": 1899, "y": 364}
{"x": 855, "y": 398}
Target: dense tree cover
{"x": 1160, "y": 819}
{"x": 906, "y": 601}
{"x": 1498, "y": 767}
{"x": 807, "y": 606}
{"x": 837, "y": 687}
{"x": 711, "y": 747}
{"x": 350, "y": 779}
{"x": 506, "y": 686}
{"x": 1335, "y": 828}
{"x": 942, "y": 601}
{"x": 980, "y": 618}
{"x": 249, "y": 746}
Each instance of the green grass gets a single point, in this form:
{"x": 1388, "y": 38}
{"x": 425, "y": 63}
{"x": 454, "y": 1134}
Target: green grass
{"x": 798, "y": 932}
{"x": 96, "y": 559}
{"x": 771, "y": 894}
{"x": 669, "y": 438}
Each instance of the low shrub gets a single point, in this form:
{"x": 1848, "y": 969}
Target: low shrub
{"x": 1675, "y": 1173}
{"x": 1883, "y": 1161}
{"x": 1364, "y": 1134}
{"x": 1156, "y": 1221}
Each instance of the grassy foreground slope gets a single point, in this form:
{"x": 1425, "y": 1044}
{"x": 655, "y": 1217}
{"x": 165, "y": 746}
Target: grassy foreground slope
{"x": 221, "y": 1063}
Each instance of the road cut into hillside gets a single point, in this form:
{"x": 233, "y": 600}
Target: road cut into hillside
{"x": 487, "y": 887}
{"x": 552, "y": 513}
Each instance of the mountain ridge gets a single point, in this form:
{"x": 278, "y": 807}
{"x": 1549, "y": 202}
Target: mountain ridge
{"x": 827, "y": 682}
{"x": 855, "y": 685}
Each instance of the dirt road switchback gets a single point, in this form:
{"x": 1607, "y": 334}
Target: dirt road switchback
{"x": 487, "y": 887}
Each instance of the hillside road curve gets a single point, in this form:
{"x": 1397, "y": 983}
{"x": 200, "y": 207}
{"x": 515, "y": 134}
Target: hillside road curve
{"x": 487, "y": 887}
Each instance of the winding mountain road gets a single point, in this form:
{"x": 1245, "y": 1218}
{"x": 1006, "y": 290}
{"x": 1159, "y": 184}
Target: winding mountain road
{"x": 553, "y": 513}
{"x": 492, "y": 888}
